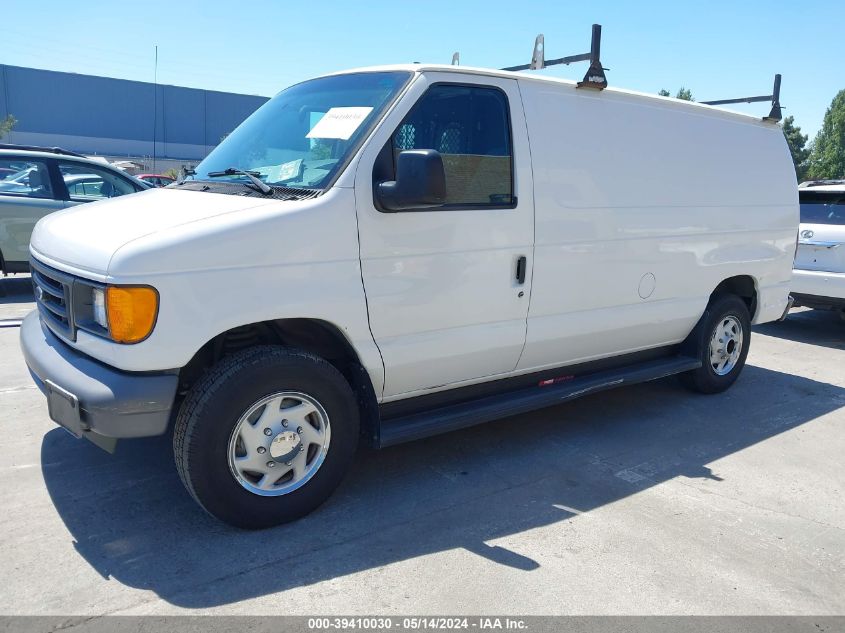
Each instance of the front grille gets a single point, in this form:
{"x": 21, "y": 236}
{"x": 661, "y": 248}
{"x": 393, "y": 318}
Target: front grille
{"x": 53, "y": 297}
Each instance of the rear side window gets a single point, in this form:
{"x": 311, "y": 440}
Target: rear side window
{"x": 823, "y": 208}
{"x": 31, "y": 180}
{"x": 470, "y": 127}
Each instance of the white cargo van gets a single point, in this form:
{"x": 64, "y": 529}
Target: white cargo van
{"x": 401, "y": 251}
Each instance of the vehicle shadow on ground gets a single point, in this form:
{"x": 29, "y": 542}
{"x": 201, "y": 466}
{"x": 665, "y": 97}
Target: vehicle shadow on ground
{"x": 815, "y": 327}
{"x": 16, "y": 289}
{"x": 133, "y": 521}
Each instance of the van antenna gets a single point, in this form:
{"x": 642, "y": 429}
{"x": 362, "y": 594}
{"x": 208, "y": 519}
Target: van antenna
{"x": 594, "y": 78}
{"x": 774, "y": 114}
{"x": 456, "y": 59}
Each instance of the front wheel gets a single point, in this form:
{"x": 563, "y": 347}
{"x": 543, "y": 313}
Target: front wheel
{"x": 266, "y": 436}
{"x": 725, "y": 346}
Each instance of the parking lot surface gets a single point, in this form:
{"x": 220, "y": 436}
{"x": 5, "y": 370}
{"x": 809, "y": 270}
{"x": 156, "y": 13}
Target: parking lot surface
{"x": 645, "y": 500}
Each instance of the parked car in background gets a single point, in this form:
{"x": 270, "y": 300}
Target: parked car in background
{"x": 46, "y": 180}
{"x": 818, "y": 279}
{"x": 157, "y": 180}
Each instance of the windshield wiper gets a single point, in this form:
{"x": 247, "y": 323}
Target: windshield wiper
{"x": 252, "y": 175}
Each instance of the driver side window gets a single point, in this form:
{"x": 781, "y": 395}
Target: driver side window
{"x": 470, "y": 127}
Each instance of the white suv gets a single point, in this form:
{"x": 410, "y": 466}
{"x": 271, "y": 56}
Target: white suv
{"x": 818, "y": 280}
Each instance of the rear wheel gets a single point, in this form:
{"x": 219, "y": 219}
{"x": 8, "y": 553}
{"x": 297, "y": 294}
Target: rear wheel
{"x": 266, "y": 436}
{"x": 727, "y": 336}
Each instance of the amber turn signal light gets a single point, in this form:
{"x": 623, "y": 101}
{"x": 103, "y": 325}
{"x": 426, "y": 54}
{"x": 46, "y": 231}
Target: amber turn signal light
{"x": 132, "y": 312}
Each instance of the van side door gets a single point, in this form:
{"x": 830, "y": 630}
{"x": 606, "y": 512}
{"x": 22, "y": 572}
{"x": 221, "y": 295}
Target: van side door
{"x": 448, "y": 287}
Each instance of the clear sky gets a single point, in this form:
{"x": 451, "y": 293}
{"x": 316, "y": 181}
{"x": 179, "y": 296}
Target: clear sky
{"x": 718, "y": 49}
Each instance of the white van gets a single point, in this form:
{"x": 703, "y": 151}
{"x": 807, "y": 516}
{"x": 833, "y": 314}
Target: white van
{"x": 401, "y": 251}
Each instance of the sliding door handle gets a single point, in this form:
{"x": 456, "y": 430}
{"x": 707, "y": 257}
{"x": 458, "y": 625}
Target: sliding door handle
{"x": 521, "y": 265}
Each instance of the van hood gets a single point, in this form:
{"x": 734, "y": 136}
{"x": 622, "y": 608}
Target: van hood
{"x": 85, "y": 237}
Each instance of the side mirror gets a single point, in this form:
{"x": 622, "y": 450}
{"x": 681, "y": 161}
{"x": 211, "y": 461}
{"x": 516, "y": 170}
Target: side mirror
{"x": 420, "y": 182}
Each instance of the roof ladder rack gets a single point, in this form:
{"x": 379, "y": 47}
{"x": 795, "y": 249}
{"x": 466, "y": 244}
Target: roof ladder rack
{"x": 594, "y": 78}
{"x": 774, "y": 114}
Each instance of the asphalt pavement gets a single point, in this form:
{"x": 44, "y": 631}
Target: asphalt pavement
{"x": 645, "y": 500}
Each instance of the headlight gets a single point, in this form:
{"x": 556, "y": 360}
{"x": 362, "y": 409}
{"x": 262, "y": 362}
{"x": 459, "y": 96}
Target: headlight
{"x": 99, "y": 300}
{"x": 130, "y": 312}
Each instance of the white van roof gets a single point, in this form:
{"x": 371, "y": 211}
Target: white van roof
{"x": 524, "y": 76}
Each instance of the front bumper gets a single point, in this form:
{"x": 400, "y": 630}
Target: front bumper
{"x": 91, "y": 399}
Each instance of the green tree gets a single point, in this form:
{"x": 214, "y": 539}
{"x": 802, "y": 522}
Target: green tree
{"x": 797, "y": 146}
{"x": 321, "y": 149}
{"x": 827, "y": 155}
{"x": 684, "y": 94}
{"x": 6, "y": 125}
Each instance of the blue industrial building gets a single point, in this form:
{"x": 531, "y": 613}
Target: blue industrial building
{"x": 116, "y": 117}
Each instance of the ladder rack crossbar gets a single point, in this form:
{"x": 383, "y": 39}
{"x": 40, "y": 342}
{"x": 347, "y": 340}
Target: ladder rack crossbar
{"x": 739, "y": 100}
{"x": 774, "y": 113}
{"x": 554, "y": 62}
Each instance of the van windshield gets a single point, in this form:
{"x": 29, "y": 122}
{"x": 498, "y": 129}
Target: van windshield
{"x": 304, "y": 135}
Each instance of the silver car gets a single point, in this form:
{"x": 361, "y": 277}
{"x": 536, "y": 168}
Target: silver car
{"x": 38, "y": 181}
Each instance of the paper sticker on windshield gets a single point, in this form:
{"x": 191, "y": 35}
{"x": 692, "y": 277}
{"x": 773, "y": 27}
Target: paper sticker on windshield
{"x": 339, "y": 123}
{"x": 290, "y": 170}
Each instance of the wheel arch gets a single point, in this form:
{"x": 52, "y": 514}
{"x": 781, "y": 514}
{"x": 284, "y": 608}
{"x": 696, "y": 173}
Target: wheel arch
{"x": 320, "y": 337}
{"x": 743, "y": 286}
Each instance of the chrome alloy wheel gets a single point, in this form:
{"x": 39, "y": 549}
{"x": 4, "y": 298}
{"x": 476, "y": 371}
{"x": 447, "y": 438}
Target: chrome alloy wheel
{"x": 726, "y": 345}
{"x": 279, "y": 443}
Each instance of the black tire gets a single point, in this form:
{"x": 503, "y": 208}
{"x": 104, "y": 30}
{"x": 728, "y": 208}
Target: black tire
{"x": 212, "y": 408}
{"x": 705, "y": 379}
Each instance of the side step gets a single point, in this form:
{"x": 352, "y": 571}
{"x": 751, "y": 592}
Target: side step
{"x": 459, "y": 416}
